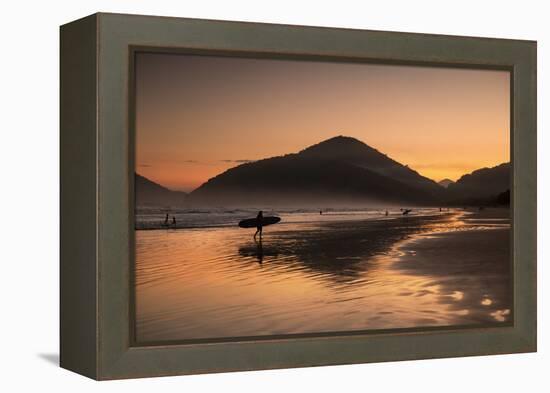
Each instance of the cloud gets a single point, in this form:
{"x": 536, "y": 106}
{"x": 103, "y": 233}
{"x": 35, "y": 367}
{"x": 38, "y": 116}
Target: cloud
{"x": 199, "y": 162}
{"x": 237, "y": 161}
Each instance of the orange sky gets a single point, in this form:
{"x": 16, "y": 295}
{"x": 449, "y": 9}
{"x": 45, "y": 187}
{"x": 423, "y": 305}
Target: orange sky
{"x": 197, "y": 116}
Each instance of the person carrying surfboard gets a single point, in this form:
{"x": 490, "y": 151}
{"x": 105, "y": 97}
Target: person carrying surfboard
{"x": 259, "y": 224}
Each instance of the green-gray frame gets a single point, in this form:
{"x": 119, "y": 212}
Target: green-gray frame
{"x": 97, "y": 183}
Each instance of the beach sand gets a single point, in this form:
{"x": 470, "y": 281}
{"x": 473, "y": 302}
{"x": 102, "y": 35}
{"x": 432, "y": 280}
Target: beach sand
{"x": 444, "y": 269}
{"x": 472, "y": 268}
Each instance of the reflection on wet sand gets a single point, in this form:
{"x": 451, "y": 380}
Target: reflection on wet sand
{"x": 440, "y": 270}
{"x": 471, "y": 270}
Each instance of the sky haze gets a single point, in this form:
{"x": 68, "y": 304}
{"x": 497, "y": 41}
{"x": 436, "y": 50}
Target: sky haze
{"x": 197, "y": 116}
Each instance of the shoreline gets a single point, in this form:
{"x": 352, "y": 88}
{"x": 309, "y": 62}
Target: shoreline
{"x": 143, "y": 226}
{"x": 447, "y": 269}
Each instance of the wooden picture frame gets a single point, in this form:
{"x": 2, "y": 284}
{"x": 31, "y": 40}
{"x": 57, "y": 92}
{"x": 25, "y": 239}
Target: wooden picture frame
{"x": 97, "y": 194}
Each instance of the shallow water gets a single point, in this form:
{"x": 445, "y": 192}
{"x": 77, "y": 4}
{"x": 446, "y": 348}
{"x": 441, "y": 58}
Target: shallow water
{"x": 153, "y": 218}
{"x": 305, "y": 276}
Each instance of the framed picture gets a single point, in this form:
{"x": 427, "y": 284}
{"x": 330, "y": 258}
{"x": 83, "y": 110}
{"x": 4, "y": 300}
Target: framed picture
{"x": 241, "y": 196}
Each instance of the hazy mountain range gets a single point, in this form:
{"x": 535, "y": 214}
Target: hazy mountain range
{"x": 482, "y": 184}
{"x": 445, "y": 182}
{"x": 338, "y": 171}
{"x": 150, "y": 193}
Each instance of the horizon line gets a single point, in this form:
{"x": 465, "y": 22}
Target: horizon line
{"x": 246, "y": 162}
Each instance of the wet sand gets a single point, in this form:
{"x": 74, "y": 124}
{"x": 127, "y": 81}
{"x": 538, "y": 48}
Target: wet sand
{"x": 446, "y": 269}
{"x": 471, "y": 268}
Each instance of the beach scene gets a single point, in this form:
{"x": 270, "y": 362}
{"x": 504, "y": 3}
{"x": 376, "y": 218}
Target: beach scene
{"x": 280, "y": 197}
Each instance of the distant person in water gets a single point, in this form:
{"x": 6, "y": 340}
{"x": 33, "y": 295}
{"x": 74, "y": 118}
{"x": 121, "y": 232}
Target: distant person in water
{"x": 174, "y": 220}
{"x": 166, "y": 219}
{"x": 259, "y": 226}
{"x": 386, "y": 212}
{"x": 321, "y": 212}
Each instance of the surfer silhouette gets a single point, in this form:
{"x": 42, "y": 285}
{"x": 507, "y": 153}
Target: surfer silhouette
{"x": 174, "y": 220}
{"x": 259, "y": 224}
{"x": 166, "y": 220}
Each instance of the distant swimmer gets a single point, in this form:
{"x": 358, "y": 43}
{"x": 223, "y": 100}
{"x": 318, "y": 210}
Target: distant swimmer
{"x": 174, "y": 220}
{"x": 259, "y": 224}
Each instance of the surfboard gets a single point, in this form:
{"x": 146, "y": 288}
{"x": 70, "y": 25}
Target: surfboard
{"x": 253, "y": 222}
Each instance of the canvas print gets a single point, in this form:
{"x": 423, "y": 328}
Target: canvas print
{"x": 280, "y": 197}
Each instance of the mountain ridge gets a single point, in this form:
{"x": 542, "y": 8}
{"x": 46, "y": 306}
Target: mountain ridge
{"x": 359, "y": 153}
{"x": 149, "y": 192}
{"x": 338, "y": 170}
{"x": 445, "y": 182}
{"x": 483, "y": 183}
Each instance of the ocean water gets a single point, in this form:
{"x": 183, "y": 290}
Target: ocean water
{"x": 153, "y": 218}
{"x": 345, "y": 270}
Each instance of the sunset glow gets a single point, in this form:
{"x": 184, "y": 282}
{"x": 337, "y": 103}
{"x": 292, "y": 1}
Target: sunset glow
{"x": 197, "y": 116}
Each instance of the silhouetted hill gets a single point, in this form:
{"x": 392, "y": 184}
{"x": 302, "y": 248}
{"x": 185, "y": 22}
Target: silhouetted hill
{"x": 445, "y": 182}
{"x": 481, "y": 184}
{"x": 503, "y": 198}
{"x": 149, "y": 193}
{"x": 339, "y": 170}
{"x": 354, "y": 152}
